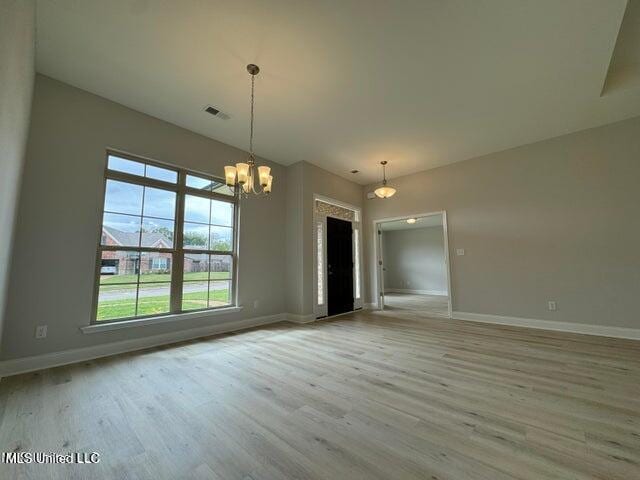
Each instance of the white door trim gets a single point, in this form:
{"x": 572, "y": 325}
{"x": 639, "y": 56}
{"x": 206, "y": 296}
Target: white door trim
{"x": 377, "y": 271}
{"x": 321, "y": 310}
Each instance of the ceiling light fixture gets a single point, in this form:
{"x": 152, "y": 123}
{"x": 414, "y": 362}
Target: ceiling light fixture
{"x": 384, "y": 191}
{"x": 245, "y": 174}
{"x": 411, "y": 221}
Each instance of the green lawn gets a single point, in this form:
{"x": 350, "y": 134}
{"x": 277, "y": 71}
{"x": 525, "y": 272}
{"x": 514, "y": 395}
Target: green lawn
{"x": 110, "y": 309}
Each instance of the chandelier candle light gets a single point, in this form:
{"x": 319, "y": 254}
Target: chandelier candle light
{"x": 384, "y": 191}
{"x": 244, "y": 174}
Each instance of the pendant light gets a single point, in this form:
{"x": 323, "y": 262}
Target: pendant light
{"x": 384, "y": 191}
{"x": 246, "y": 174}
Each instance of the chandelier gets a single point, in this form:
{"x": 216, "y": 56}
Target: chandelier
{"x": 384, "y": 191}
{"x": 246, "y": 175}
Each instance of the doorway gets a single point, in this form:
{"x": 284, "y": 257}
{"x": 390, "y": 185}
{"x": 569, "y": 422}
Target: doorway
{"x": 339, "y": 266}
{"x": 337, "y": 254}
{"x": 412, "y": 265}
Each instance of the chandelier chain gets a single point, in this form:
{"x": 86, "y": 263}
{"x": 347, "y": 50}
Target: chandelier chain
{"x": 253, "y": 78}
{"x": 246, "y": 178}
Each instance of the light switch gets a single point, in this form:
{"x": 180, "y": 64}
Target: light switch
{"x": 460, "y": 251}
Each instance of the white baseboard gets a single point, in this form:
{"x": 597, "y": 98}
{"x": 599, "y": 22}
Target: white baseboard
{"x": 297, "y": 318}
{"x": 584, "y": 328}
{"x": 416, "y": 292}
{"x": 48, "y": 360}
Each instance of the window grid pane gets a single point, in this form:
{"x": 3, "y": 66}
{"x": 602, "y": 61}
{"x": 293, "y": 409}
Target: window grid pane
{"x": 195, "y": 236}
{"x": 206, "y": 281}
{"x": 123, "y": 197}
{"x": 162, "y": 174}
{"x": 126, "y": 166}
{"x": 117, "y": 301}
{"x": 219, "y": 293}
{"x": 155, "y": 267}
{"x": 136, "y": 283}
{"x": 320, "y": 257}
{"x": 159, "y": 203}
{"x": 356, "y": 262}
{"x": 220, "y": 238}
{"x": 153, "y": 298}
{"x": 195, "y": 295}
{"x": 221, "y": 267}
{"x": 157, "y": 233}
{"x": 199, "y": 183}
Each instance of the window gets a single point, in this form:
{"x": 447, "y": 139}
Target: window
{"x": 167, "y": 242}
{"x": 356, "y": 261}
{"x": 159, "y": 263}
{"x": 320, "y": 260}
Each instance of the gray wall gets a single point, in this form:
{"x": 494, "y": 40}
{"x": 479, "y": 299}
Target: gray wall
{"x": 414, "y": 260}
{"x": 17, "y": 49}
{"x": 305, "y": 180}
{"x": 52, "y": 275}
{"x": 554, "y": 220}
{"x": 295, "y": 239}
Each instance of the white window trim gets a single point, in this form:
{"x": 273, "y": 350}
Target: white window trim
{"x": 174, "y": 317}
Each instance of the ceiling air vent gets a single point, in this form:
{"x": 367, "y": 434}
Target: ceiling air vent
{"x": 216, "y": 113}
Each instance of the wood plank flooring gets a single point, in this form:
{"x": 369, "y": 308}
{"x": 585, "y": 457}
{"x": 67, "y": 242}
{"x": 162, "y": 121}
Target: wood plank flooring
{"x": 373, "y": 395}
{"x": 426, "y": 305}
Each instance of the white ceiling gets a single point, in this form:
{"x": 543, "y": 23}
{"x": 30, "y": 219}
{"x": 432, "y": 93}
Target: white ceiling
{"x": 421, "y": 222}
{"x": 347, "y": 83}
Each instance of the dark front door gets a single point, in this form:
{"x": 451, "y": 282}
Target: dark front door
{"x": 339, "y": 266}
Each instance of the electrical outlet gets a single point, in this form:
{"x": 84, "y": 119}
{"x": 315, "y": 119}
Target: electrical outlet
{"x": 460, "y": 251}
{"x": 552, "y": 305}
{"x": 41, "y": 331}
{"x": 256, "y": 304}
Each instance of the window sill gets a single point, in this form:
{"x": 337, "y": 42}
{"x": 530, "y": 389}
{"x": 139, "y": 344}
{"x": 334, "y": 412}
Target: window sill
{"x": 139, "y": 322}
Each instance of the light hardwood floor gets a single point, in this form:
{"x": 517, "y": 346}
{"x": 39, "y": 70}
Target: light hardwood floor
{"x": 428, "y": 305}
{"x": 364, "y": 396}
